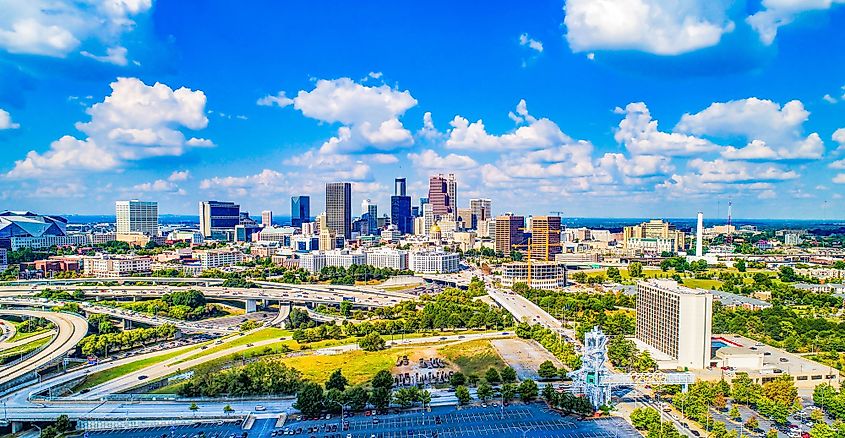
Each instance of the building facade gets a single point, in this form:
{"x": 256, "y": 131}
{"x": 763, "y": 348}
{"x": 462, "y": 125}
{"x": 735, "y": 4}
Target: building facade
{"x": 676, "y": 321}
{"x": 116, "y": 266}
{"x": 654, "y": 229}
{"x": 434, "y": 262}
{"x": 544, "y": 275}
{"x": 482, "y": 210}
{"x": 339, "y": 208}
{"x": 137, "y": 217}
{"x": 400, "y": 208}
{"x": 300, "y": 210}
{"x": 545, "y": 237}
{"x": 218, "y": 218}
{"x": 509, "y": 232}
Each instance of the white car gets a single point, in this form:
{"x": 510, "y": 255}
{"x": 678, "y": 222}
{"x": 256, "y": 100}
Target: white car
{"x": 260, "y": 408}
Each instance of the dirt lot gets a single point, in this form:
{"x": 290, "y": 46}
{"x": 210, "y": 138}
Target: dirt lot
{"x": 524, "y": 355}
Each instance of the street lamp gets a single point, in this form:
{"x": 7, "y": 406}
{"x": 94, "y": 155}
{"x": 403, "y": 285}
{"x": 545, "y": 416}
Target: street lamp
{"x": 341, "y": 411}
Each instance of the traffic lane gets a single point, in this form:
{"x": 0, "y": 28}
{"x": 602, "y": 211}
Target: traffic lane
{"x": 218, "y": 429}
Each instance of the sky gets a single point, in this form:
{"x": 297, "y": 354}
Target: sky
{"x": 596, "y": 108}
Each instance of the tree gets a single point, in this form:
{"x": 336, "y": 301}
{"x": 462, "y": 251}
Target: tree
{"x": 752, "y": 423}
{"x": 484, "y": 391}
{"x": 193, "y": 407}
{"x": 547, "y": 370}
{"x": 457, "y": 379}
{"x": 528, "y": 390}
{"x": 772, "y": 433}
{"x": 462, "y": 393}
{"x": 472, "y": 379}
{"x": 817, "y": 415}
{"x": 644, "y": 418}
{"x": 508, "y": 375}
{"x": 382, "y": 379}
{"x": 508, "y": 391}
{"x": 228, "y": 409}
{"x": 406, "y": 397}
{"x": 336, "y": 381}
{"x": 372, "y": 342}
{"x": 744, "y": 389}
{"x": 63, "y": 424}
{"x": 425, "y": 398}
{"x": 614, "y": 275}
{"x": 549, "y": 393}
{"x": 310, "y": 399}
{"x": 356, "y": 397}
{"x": 734, "y": 413}
{"x": 740, "y": 265}
{"x": 635, "y": 269}
{"x": 719, "y": 402}
{"x": 492, "y": 376}
{"x": 380, "y": 398}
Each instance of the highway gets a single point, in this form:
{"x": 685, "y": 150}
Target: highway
{"x": 184, "y": 326}
{"x": 71, "y": 330}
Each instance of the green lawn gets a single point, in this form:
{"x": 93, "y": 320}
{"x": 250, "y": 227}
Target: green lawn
{"x": 21, "y": 336}
{"x": 115, "y": 372}
{"x": 22, "y": 350}
{"x": 256, "y": 336}
{"x": 473, "y": 357}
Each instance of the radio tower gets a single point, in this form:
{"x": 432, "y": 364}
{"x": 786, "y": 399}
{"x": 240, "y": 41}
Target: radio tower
{"x": 730, "y": 231}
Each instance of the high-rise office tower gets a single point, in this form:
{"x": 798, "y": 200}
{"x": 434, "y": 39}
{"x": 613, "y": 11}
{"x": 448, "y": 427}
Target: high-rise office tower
{"x": 217, "y": 218}
{"x": 300, "y": 210}
{"x": 545, "y": 237}
{"x": 266, "y": 218}
{"x": 399, "y": 186}
{"x": 443, "y": 195}
{"x": 482, "y": 210}
{"x": 509, "y": 232}
{"x": 369, "y": 212}
{"x": 339, "y": 208}
{"x": 400, "y": 208}
{"x": 137, "y": 217}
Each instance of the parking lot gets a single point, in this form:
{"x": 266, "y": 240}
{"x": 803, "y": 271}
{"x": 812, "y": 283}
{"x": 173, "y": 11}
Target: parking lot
{"x": 519, "y": 420}
{"x": 230, "y": 429}
{"x": 444, "y": 422}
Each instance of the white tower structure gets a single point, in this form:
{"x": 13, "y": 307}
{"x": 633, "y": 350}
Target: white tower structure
{"x": 699, "y": 235}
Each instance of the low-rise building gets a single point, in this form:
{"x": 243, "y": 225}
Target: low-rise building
{"x": 434, "y": 261}
{"x": 388, "y": 258}
{"x": 111, "y": 266}
{"x": 544, "y": 275}
{"x": 219, "y": 258}
{"x": 345, "y": 258}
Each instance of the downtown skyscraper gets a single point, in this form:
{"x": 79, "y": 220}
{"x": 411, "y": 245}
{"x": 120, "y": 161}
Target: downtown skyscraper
{"x": 300, "y": 210}
{"x": 339, "y": 208}
{"x": 400, "y": 208}
{"x": 443, "y": 194}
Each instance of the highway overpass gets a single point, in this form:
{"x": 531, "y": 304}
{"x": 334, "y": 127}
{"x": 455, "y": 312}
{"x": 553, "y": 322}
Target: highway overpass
{"x": 70, "y": 330}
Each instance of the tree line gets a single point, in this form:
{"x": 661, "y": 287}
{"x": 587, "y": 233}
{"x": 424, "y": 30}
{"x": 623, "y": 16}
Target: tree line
{"x": 104, "y": 344}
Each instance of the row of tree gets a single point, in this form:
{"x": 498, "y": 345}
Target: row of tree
{"x": 263, "y": 377}
{"x": 104, "y": 344}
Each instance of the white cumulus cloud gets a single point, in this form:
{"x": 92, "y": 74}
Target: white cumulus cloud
{"x": 6, "y": 121}
{"x": 136, "y": 121}
{"x": 773, "y": 132}
{"x": 536, "y": 134}
{"x": 531, "y": 43}
{"x": 777, "y": 13}
{"x": 429, "y": 159}
{"x": 663, "y": 27}
{"x": 641, "y": 136}
{"x": 57, "y": 28}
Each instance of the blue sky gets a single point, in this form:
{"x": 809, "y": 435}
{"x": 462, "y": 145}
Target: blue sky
{"x": 591, "y": 107}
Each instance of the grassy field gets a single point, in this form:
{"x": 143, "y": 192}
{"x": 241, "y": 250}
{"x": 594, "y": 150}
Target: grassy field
{"x": 472, "y": 357}
{"x": 115, "y": 372}
{"x": 358, "y": 366}
{"x": 256, "y": 336}
{"x": 19, "y": 336}
{"x": 22, "y": 350}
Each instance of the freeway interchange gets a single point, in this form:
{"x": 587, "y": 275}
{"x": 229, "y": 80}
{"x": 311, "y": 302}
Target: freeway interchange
{"x": 29, "y": 404}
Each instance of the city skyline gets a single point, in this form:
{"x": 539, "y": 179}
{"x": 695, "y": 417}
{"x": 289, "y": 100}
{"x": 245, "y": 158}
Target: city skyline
{"x": 536, "y": 109}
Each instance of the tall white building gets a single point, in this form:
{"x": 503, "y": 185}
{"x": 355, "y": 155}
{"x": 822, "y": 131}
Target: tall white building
{"x": 676, "y": 321}
{"x": 219, "y": 258}
{"x": 137, "y": 217}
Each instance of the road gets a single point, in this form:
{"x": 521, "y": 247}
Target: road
{"x": 71, "y": 330}
{"x": 7, "y": 345}
{"x": 9, "y": 330}
{"x": 317, "y": 294}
